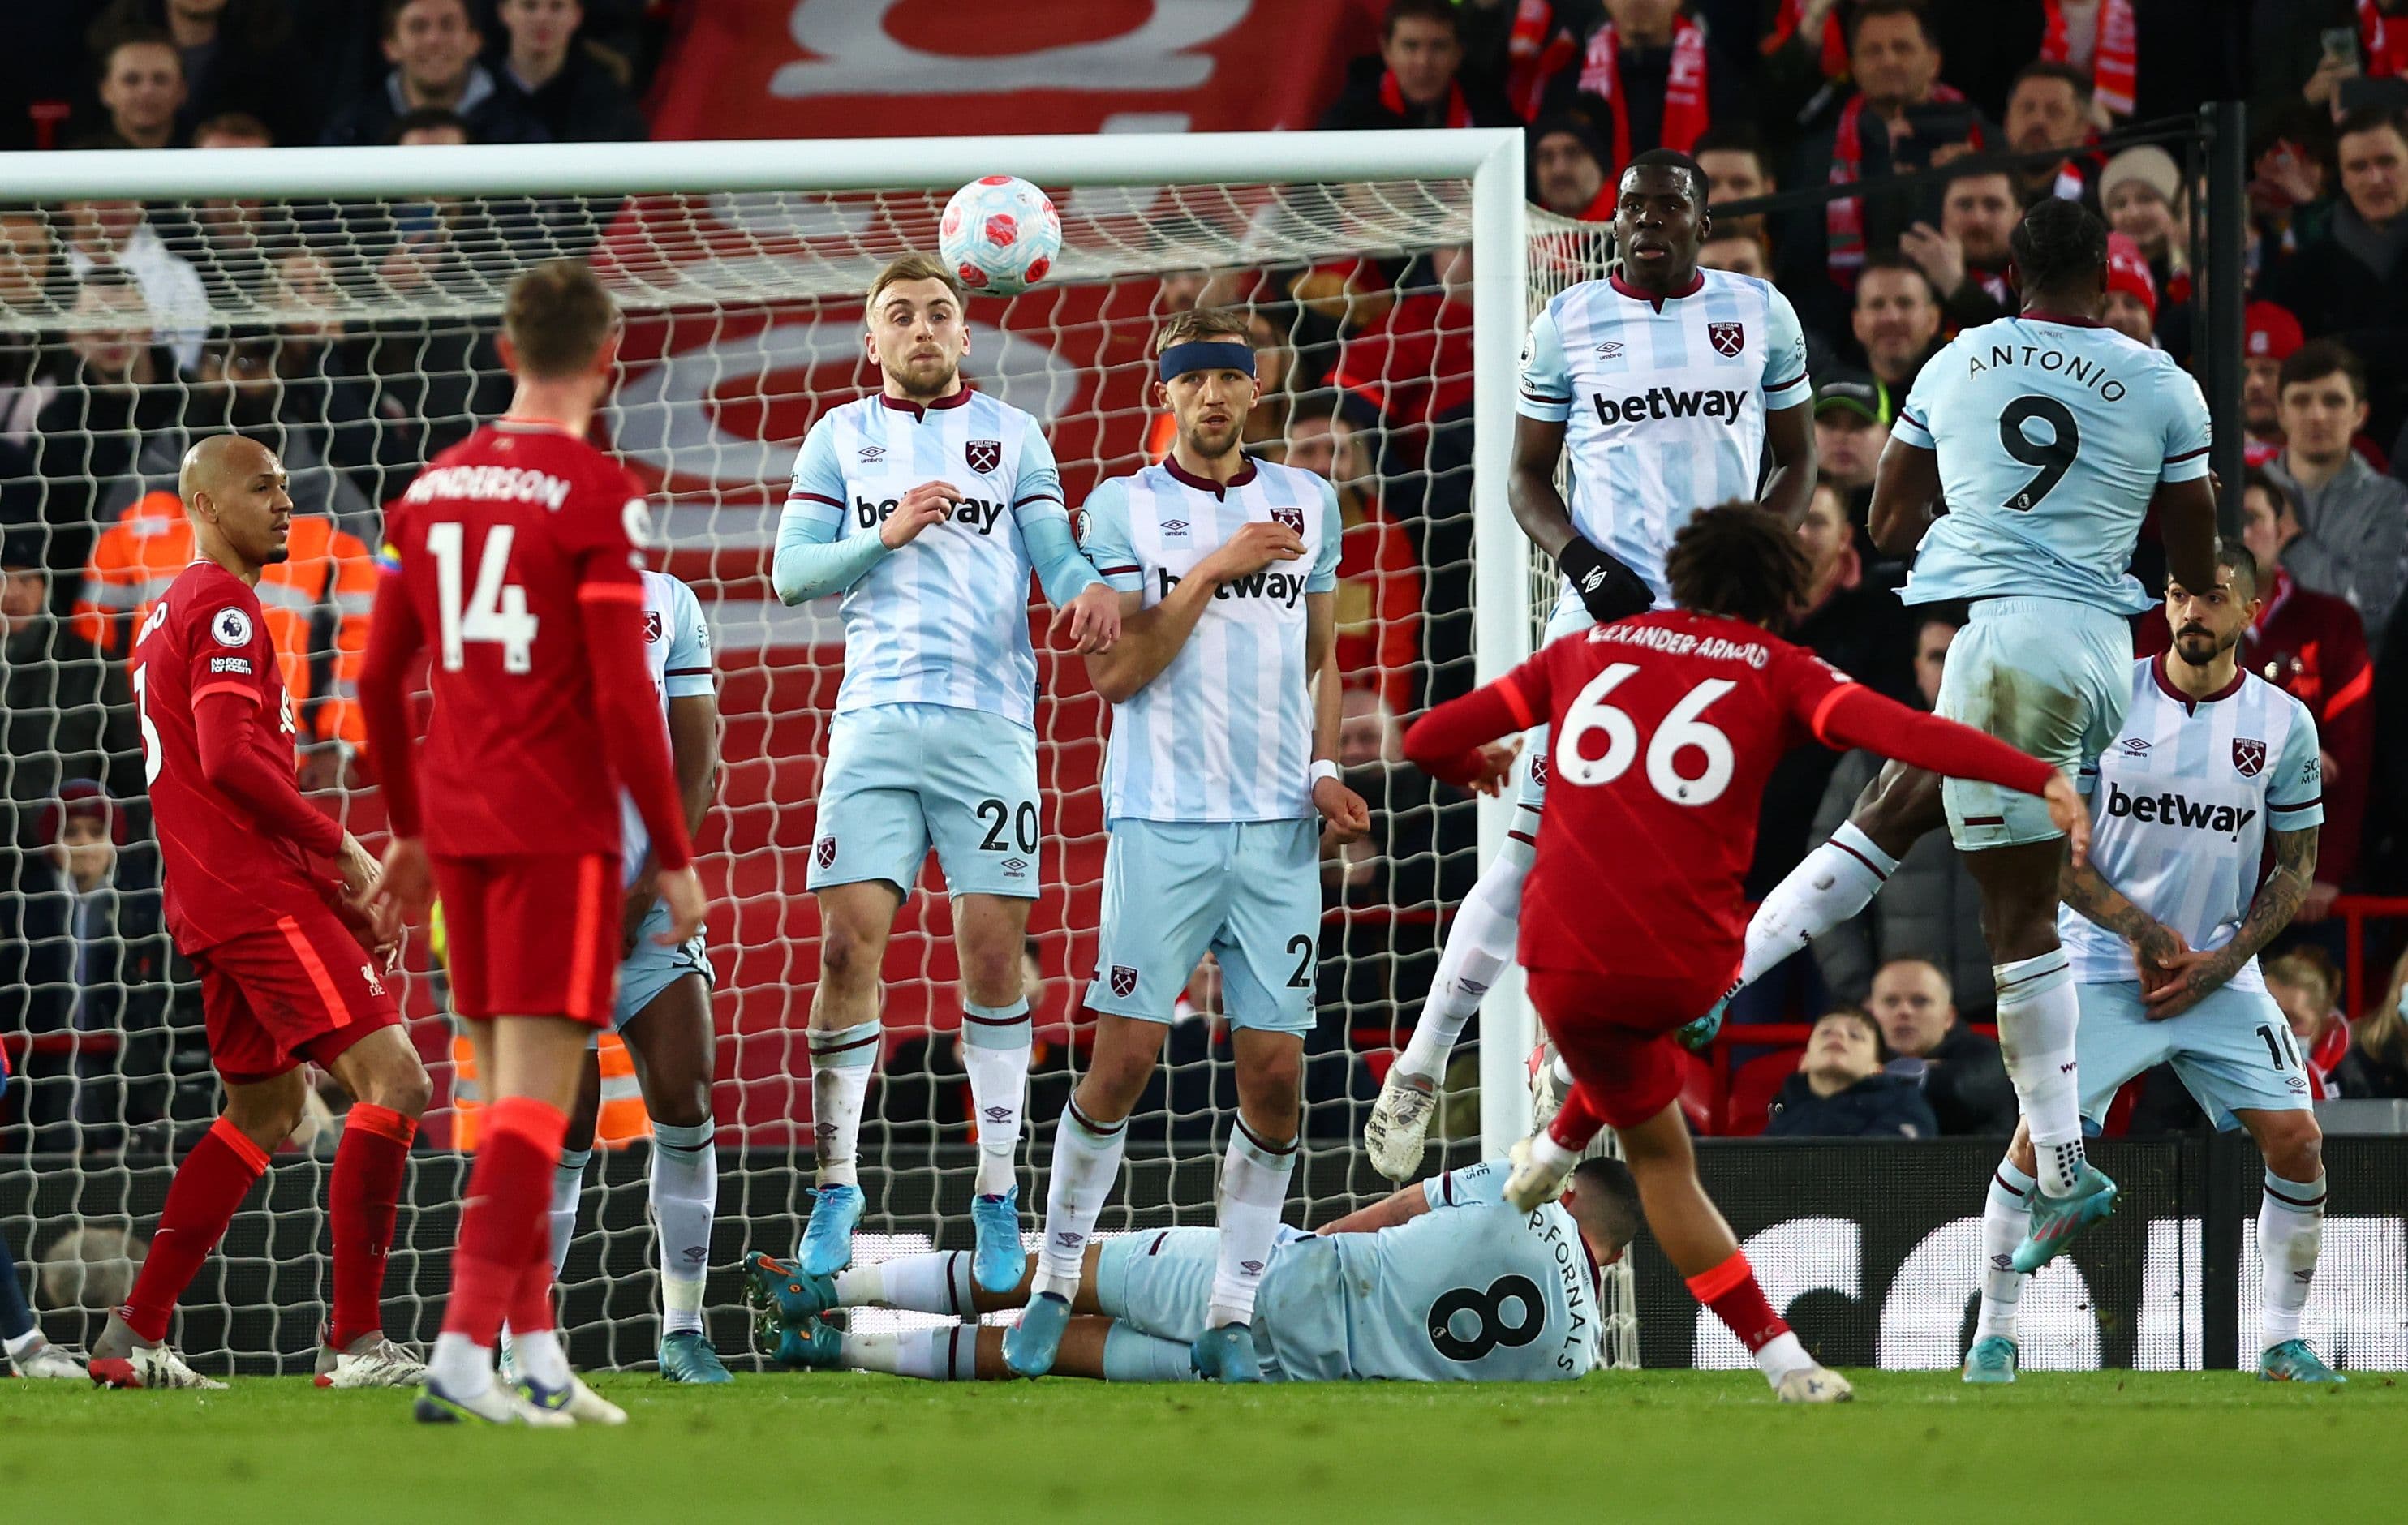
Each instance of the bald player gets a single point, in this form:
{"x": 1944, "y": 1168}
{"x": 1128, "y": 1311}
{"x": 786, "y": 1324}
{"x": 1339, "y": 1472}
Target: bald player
{"x": 255, "y": 881}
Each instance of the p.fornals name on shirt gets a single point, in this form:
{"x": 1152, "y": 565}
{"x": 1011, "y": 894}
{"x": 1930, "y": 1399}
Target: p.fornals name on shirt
{"x": 1683, "y": 643}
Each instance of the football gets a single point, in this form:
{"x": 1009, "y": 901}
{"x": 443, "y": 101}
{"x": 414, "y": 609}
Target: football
{"x": 999, "y": 235}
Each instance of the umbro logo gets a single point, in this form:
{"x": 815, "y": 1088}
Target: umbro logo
{"x": 871, "y": 452}
{"x": 1610, "y": 349}
{"x": 695, "y": 1254}
{"x": 1014, "y": 867}
{"x": 2135, "y": 745}
{"x": 1252, "y": 1268}
{"x": 1174, "y": 526}
{"x": 1067, "y": 1240}
{"x": 998, "y": 1115}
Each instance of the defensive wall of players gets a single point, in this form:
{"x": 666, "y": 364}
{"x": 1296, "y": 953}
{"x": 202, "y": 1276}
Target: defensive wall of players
{"x": 1869, "y": 1245}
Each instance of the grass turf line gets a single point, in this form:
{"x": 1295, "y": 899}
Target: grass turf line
{"x": 1628, "y": 1446}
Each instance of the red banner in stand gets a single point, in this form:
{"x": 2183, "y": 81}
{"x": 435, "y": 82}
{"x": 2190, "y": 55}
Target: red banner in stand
{"x": 922, "y": 68}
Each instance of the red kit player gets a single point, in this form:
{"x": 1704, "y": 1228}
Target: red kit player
{"x": 247, "y": 901}
{"x": 512, "y": 558}
{"x": 1664, "y": 727}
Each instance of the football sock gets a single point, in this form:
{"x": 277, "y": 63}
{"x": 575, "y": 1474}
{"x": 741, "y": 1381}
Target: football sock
{"x": 995, "y": 1049}
{"x": 540, "y": 1356}
{"x": 936, "y": 1282}
{"x": 16, "y": 1315}
{"x": 567, "y": 1190}
{"x": 1479, "y": 946}
{"x": 1086, "y": 1164}
{"x": 843, "y": 1062}
{"x": 2290, "y": 1231}
{"x": 363, "y": 1195}
{"x": 2006, "y": 1218}
{"x": 1574, "y": 1126}
{"x": 1730, "y": 1290}
{"x": 2038, "y": 1009}
{"x": 503, "y": 1230}
{"x": 685, "y": 1198}
{"x": 209, "y": 1185}
{"x": 944, "y": 1354}
{"x": 1254, "y": 1190}
{"x": 460, "y": 1366}
{"x": 1832, "y": 884}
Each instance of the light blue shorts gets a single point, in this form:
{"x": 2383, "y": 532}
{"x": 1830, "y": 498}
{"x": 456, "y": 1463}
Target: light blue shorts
{"x": 2233, "y": 1051}
{"x": 652, "y": 968}
{"x": 1531, "y": 792}
{"x": 1249, "y": 891}
{"x": 2050, "y": 676}
{"x": 902, "y": 779}
{"x": 1159, "y": 1282}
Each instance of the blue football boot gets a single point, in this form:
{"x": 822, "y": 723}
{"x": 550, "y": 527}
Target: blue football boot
{"x": 997, "y": 1261}
{"x": 1030, "y": 1346}
{"x": 828, "y": 1238}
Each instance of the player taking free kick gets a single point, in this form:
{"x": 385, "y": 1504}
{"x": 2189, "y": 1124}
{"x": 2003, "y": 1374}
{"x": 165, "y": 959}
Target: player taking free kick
{"x": 1664, "y": 727}
{"x": 927, "y": 507}
{"x": 514, "y": 551}
{"x": 283, "y": 979}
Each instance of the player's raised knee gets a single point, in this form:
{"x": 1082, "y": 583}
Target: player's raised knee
{"x": 2293, "y": 1144}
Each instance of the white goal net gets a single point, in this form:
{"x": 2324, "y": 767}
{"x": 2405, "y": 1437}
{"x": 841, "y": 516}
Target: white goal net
{"x": 342, "y": 307}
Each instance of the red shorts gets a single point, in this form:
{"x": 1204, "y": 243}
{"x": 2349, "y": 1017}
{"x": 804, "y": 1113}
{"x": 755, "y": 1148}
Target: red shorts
{"x": 1614, "y": 1032}
{"x": 302, "y": 989}
{"x": 532, "y": 936}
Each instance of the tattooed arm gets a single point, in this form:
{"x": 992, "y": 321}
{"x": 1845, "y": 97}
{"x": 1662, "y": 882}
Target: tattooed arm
{"x": 2278, "y": 900}
{"x": 2155, "y": 945}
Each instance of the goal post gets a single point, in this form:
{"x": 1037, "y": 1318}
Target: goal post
{"x": 742, "y": 262}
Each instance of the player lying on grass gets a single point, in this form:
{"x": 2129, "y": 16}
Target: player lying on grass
{"x": 247, "y": 900}
{"x": 2212, "y": 764}
{"x": 1440, "y": 1282}
{"x": 1664, "y": 728}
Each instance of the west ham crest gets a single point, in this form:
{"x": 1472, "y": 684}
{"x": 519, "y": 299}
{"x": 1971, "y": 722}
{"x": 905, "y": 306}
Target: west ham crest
{"x": 1728, "y": 338}
{"x": 2248, "y": 756}
{"x": 984, "y": 455}
{"x": 651, "y": 626}
{"x": 1539, "y": 769}
{"x": 826, "y": 851}
{"x": 1124, "y": 981}
{"x": 1292, "y": 518}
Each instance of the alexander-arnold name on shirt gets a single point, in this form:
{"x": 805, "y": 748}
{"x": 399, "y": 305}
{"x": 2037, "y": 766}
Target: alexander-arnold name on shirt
{"x": 1683, "y": 643}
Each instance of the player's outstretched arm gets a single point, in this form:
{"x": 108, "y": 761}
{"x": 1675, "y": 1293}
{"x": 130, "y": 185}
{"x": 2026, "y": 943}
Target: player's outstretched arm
{"x": 1402, "y": 1205}
{"x": 1906, "y": 490}
{"x": 1609, "y": 590}
{"x": 1151, "y": 638}
{"x": 2278, "y": 900}
{"x": 221, "y": 722}
{"x": 2154, "y": 944}
{"x": 1455, "y": 743}
{"x": 1852, "y": 715}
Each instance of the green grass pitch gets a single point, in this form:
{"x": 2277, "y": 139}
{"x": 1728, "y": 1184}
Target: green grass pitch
{"x": 1651, "y": 1445}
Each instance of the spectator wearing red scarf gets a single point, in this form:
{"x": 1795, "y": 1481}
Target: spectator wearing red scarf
{"x": 2049, "y": 107}
{"x": 1648, "y": 78}
{"x": 1902, "y": 117}
{"x": 2312, "y": 647}
{"x": 1416, "y": 79}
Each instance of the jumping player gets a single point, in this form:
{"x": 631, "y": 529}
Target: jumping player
{"x": 1220, "y": 780}
{"x": 1664, "y": 727}
{"x": 2211, "y": 765}
{"x": 1666, "y": 384}
{"x": 2051, "y": 437}
{"x": 928, "y": 506}
{"x": 1440, "y": 1282}
{"x": 663, "y": 1010}
{"x": 513, "y": 556}
{"x": 248, "y": 901}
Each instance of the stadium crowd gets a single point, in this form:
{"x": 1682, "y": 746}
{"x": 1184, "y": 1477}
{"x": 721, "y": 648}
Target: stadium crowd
{"x": 114, "y": 354}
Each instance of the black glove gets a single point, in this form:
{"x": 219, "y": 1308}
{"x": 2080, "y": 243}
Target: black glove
{"x": 1609, "y": 590}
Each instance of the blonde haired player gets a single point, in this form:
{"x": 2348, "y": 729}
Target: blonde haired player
{"x": 926, "y": 505}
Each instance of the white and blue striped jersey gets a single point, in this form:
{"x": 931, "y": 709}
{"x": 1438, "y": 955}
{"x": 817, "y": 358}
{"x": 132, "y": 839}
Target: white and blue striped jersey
{"x": 2052, "y": 436}
{"x": 1470, "y": 1290}
{"x": 1663, "y": 403}
{"x": 677, "y": 652}
{"x": 1224, "y": 732}
{"x": 2180, "y": 808}
{"x": 943, "y": 620}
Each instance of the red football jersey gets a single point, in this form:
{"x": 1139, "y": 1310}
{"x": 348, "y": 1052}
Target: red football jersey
{"x": 492, "y": 544}
{"x": 1664, "y": 729}
{"x": 223, "y": 873}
